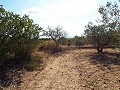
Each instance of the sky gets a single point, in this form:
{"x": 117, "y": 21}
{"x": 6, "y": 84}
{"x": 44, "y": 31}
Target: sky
{"x": 72, "y": 15}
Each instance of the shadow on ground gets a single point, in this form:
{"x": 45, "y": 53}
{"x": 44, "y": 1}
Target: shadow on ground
{"x": 105, "y": 59}
{"x": 11, "y": 73}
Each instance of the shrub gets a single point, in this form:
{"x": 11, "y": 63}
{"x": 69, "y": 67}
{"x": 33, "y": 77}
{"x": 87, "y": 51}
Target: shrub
{"x": 50, "y": 46}
{"x": 17, "y": 35}
{"x": 34, "y": 62}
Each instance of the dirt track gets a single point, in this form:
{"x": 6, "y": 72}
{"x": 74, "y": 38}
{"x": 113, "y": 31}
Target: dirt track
{"x": 73, "y": 70}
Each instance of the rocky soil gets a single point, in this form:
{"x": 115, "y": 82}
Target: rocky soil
{"x": 75, "y": 70}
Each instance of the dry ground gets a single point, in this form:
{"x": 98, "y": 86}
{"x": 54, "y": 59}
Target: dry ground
{"x": 76, "y": 70}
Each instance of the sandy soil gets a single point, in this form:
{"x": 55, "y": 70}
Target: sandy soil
{"x": 73, "y": 70}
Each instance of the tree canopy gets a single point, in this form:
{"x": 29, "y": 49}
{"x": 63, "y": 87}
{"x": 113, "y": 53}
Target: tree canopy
{"x": 57, "y": 34}
{"x": 16, "y": 32}
{"x": 107, "y": 31}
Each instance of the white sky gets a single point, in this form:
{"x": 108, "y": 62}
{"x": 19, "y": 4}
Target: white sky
{"x": 73, "y": 15}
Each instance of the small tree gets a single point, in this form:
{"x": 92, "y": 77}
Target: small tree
{"x": 57, "y": 34}
{"x": 105, "y": 32}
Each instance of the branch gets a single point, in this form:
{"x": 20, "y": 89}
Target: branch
{"x": 107, "y": 41}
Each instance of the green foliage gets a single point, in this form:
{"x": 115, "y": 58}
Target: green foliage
{"x": 17, "y": 34}
{"x": 79, "y": 40}
{"x": 107, "y": 31}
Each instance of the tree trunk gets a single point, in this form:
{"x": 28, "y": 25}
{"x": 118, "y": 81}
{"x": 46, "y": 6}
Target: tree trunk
{"x": 57, "y": 44}
{"x": 100, "y": 49}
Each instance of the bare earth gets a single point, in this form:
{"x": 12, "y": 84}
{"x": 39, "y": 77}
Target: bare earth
{"x": 73, "y": 70}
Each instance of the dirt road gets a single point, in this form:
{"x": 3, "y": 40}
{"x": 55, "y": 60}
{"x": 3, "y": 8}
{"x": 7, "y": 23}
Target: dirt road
{"x": 73, "y": 70}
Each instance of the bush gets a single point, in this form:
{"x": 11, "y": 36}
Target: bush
{"x": 17, "y": 35}
{"x": 34, "y": 62}
{"x": 50, "y": 46}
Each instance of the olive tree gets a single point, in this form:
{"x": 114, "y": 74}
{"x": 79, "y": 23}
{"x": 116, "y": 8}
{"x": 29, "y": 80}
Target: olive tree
{"x": 107, "y": 30}
{"x": 57, "y": 34}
